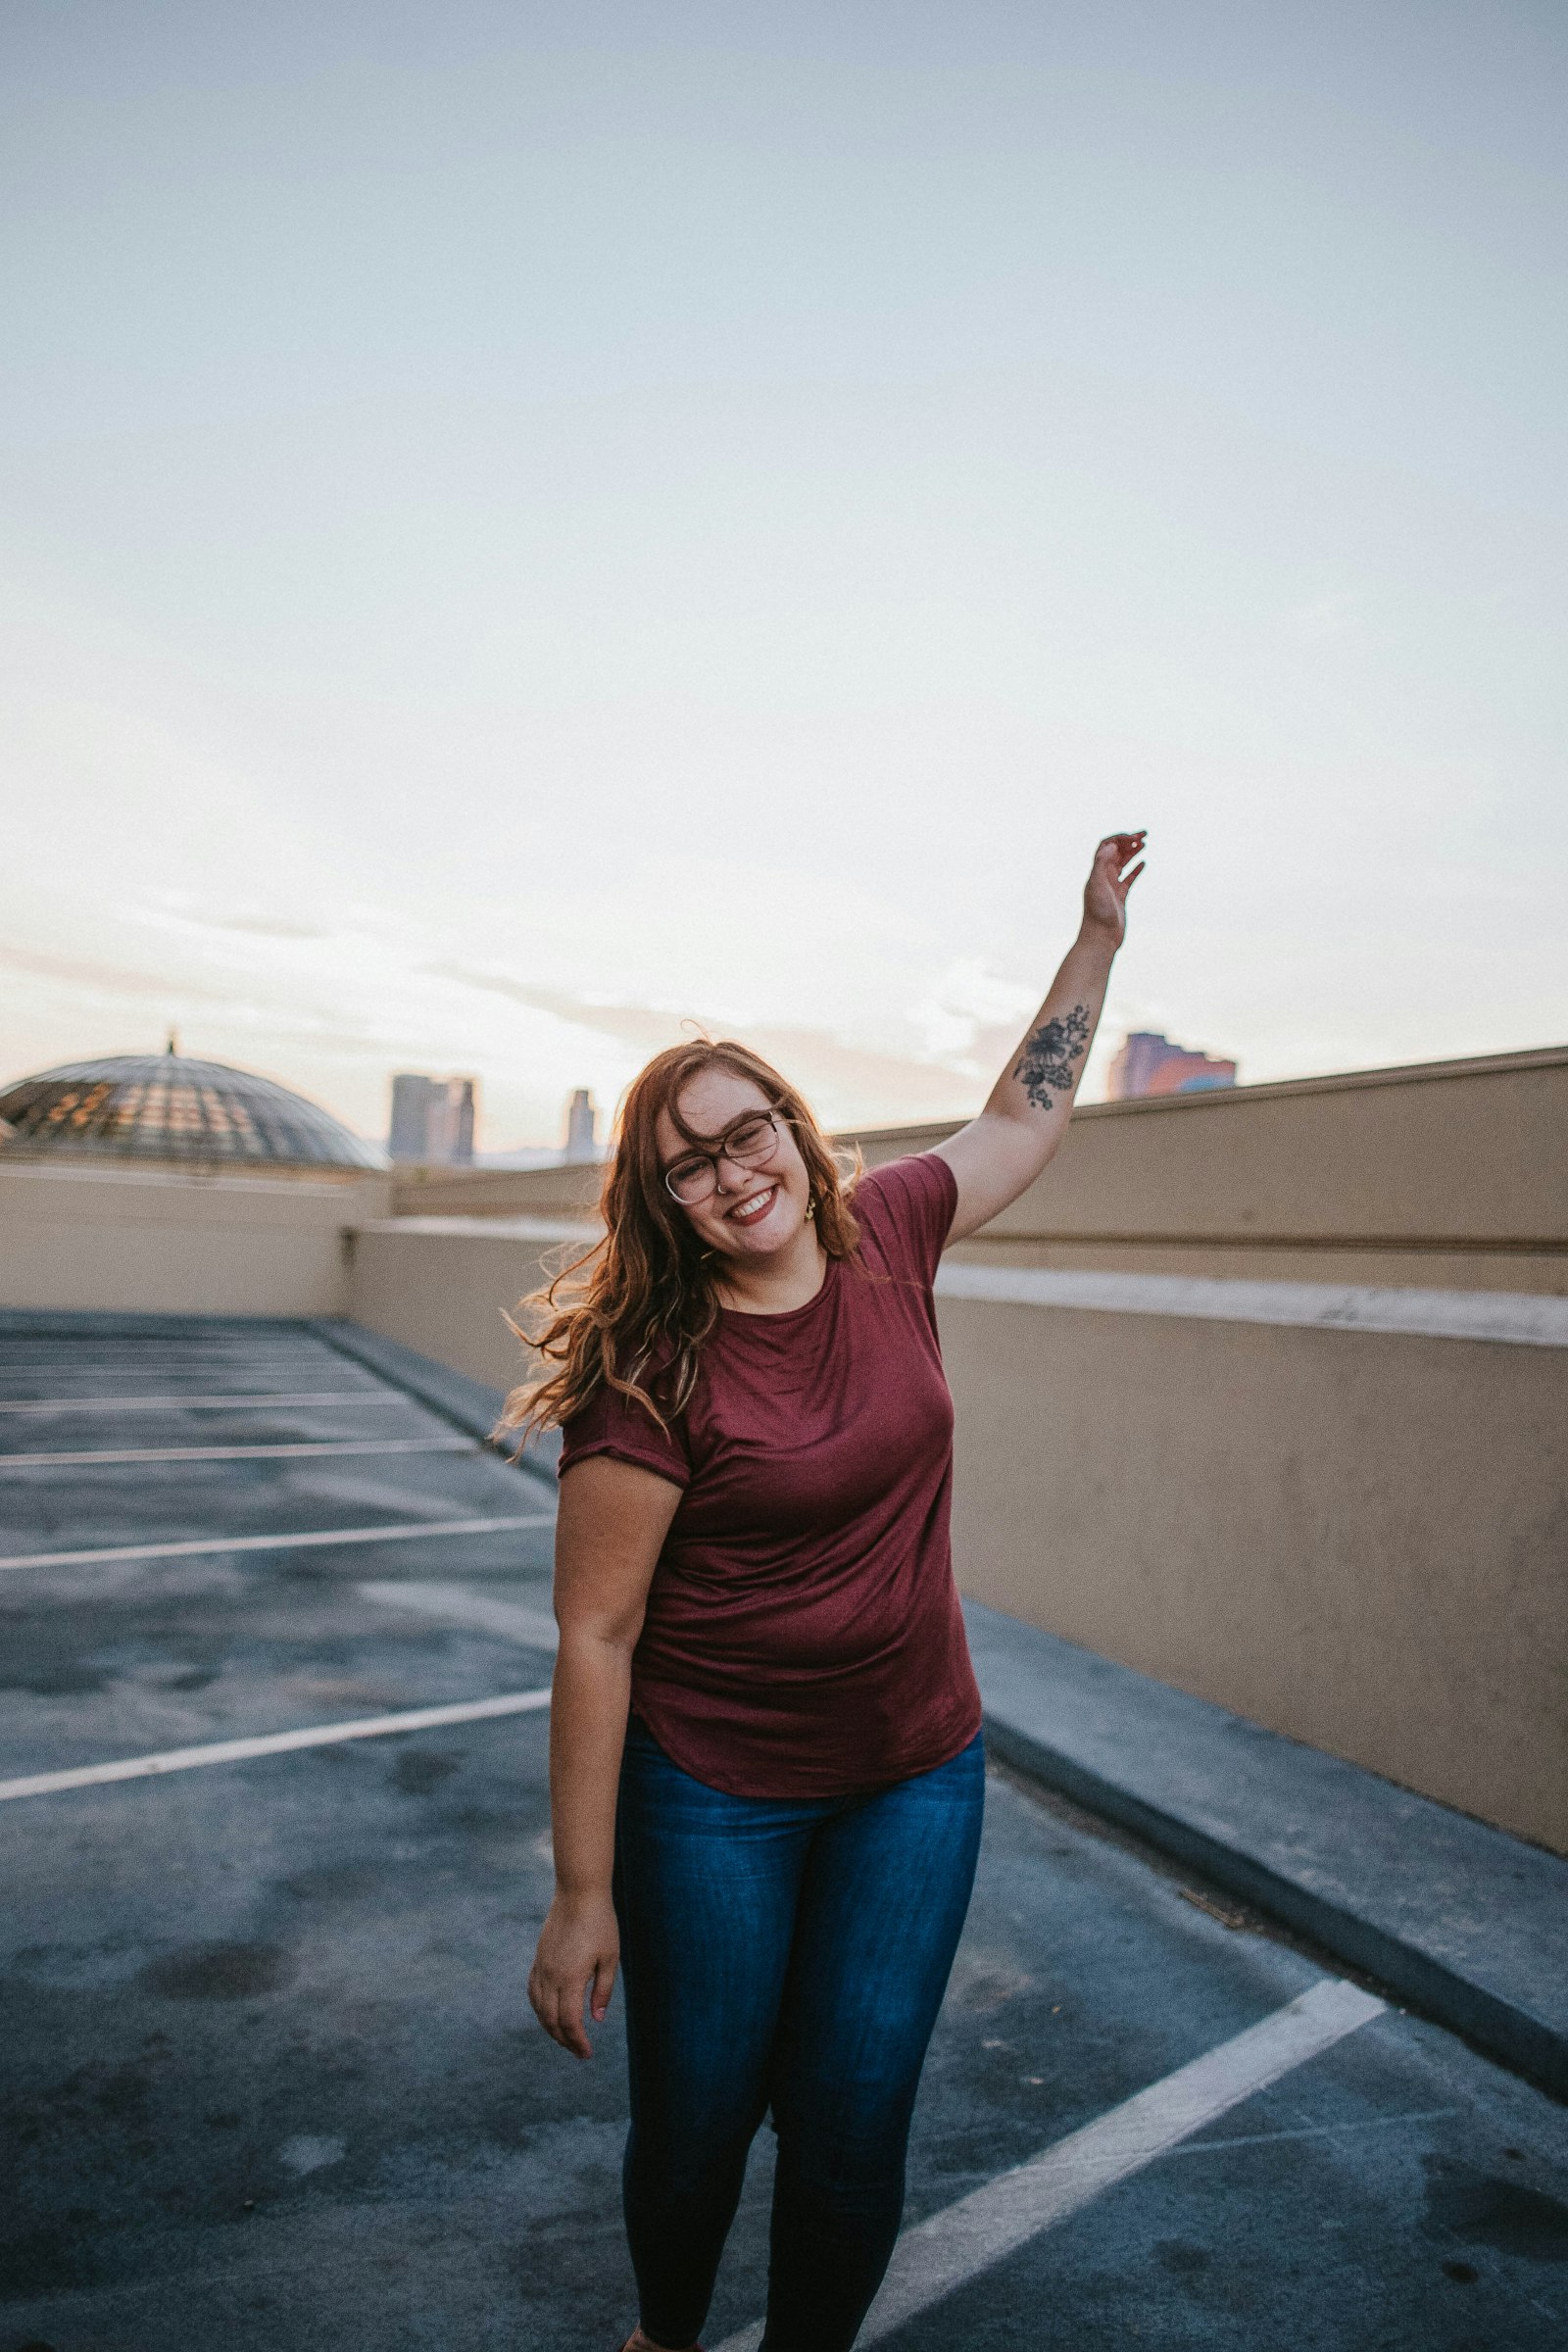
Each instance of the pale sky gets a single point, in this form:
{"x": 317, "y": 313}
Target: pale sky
{"x": 523, "y": 524}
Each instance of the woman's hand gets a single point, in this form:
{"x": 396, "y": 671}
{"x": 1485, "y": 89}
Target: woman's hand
{"x": 578, "y": 1943}
{"x": 1105, "y": 891}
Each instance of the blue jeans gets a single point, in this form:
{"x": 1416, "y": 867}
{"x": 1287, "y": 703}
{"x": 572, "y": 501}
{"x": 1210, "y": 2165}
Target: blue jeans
{"x": 789, "y": 1953}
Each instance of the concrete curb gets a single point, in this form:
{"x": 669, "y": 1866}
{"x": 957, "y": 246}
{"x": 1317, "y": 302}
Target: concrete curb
{"x": 468, "y": 1404}
{"x": 1469, "y": 1924}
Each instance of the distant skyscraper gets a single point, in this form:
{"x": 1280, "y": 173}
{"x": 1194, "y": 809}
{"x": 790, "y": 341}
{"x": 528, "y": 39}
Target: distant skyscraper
{"x": 1146, "y": 1063}
{"x": 432, "y": 1119}
{"x": 580, "y": 1122}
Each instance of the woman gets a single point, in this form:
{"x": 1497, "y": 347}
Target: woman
{"x": 765, "y": 1763}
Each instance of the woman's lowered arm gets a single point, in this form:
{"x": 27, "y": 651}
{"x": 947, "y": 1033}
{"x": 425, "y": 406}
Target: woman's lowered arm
{"x": 612, "y": 1525}
{"x": 999, "y": 1153}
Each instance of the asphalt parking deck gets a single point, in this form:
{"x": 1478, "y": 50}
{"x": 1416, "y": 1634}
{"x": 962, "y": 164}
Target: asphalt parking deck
{"x": 268, "y": 2068}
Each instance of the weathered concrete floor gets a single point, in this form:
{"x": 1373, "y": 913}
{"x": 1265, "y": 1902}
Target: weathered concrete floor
{"x": 269, "y": 2076}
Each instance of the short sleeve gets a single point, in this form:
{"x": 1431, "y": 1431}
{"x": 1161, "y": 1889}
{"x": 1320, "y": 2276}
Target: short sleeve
{"x": 613, "y": 1424}
{"x": 909, "y": 1207}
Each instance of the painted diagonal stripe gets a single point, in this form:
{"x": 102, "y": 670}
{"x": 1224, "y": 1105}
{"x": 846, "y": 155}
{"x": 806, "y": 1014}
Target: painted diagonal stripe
{"x": 240, "y": 1454}
{"x": 942, "y": 2254}
{"x": 253, "y": 1400}
{"x": 399, "y": 1532}
{"x": 272, "y": 1743}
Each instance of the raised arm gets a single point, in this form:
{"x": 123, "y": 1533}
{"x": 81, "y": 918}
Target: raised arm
{"x": 999, "y": 1154}
{"x": 612, "y": 1526}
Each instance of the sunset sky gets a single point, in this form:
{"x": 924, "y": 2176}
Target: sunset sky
{"x": 525, "y": 524}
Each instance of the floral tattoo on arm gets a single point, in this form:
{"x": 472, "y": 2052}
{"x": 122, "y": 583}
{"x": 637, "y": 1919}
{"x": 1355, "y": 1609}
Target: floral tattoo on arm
{"x": 1049, "y": 1053}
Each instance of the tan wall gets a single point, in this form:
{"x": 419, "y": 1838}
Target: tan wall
{"x": 1354, "y": 1538}
{"x": 496, "y": 1191}
{"x": 445, "y": 1285}
{"x": 170, "y": 1241}
{"x": 1444, "y": 1175}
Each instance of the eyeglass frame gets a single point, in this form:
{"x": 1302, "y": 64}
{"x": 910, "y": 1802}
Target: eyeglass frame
{"x": 770, "y": 1112}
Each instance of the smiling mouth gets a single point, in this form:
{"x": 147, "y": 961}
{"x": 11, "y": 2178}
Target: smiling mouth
{"x": 748, "y": 1211}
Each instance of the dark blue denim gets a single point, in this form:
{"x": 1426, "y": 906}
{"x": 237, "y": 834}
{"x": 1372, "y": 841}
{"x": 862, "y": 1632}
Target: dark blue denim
{"x": 790, "y": 1955}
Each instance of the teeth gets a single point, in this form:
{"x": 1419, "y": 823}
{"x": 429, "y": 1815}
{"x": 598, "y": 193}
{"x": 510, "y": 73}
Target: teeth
{"x": 753, "y": 1208}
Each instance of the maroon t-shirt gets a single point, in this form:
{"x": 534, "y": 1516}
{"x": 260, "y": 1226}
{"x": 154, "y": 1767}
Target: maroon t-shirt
{"x": 803, "y": 1634}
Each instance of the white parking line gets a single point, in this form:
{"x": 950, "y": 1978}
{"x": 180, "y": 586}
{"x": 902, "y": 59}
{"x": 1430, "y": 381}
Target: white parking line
{"x": 399, "y": 1532}
{"x": 461, "y": 1605}
{"x": 272, "y": 1743}
{"x": 252, "y": 1400}
{"x": 940, "y": 2255}
{"x": 240, "y": 1454}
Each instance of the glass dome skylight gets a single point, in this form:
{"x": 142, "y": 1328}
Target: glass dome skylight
{"x": 168, "y": 1106}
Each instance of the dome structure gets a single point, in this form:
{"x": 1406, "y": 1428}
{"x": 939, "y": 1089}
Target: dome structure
{"x": 167, "y": 1107}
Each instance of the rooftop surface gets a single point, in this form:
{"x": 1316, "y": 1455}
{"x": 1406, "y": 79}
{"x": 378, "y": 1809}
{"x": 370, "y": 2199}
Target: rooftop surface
{"x": 270, "y": 2066}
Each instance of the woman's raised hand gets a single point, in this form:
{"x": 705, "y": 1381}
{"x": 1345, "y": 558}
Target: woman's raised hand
{"x": 1110, "y": 881}
{"x": 578, "y": 1943}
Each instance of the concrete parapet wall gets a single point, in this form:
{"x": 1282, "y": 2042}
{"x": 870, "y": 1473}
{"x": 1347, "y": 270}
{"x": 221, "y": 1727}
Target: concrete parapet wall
{"x": 163, "y": 1241}
{"x": 1338, "y": 1513}
{"x": 569, "y": 1191}
{"x": 444, "y": 1286}
{"x": 1445, "y": 1174}
{"x": 1354, "y": 1537}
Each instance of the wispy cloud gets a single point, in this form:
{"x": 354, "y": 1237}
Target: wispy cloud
{"x": 855, "y": 1085}
{"x": 844, "y": 1079}
{"x": 646, "y": 1026}
{"x": 264, "y": 926}
{"x": 86, "y": 972}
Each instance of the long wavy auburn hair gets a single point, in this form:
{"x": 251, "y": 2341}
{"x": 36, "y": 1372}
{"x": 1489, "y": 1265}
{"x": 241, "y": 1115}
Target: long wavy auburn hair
{"x": 633, "y": 1311}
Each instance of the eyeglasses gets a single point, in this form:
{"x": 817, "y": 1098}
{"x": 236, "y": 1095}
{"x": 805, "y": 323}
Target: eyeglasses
{"x": 750, "y": 1143}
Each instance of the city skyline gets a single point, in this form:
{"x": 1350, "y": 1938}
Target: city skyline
{"x": 523, "y": 535}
